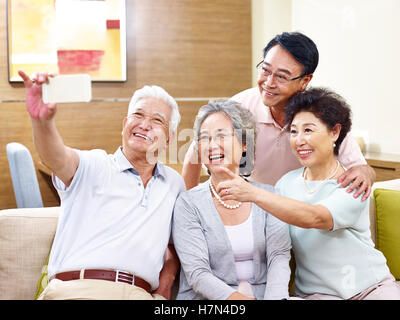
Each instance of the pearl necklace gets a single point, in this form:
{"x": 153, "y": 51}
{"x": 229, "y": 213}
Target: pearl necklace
{"x": 221, "y": 201}
{"x": 322, "y": 182}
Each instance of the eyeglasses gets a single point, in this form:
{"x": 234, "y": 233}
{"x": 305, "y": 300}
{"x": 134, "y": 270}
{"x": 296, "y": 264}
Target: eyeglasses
{"x": 220, "y": 137}
{"x": 155, "y": 119}
{"x": 279, "y": 77}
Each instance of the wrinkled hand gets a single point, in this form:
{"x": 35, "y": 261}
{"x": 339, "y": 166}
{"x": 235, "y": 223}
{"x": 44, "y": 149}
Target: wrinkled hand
{"x": 163, "y": 291}
{"x": 234, "y": 187}
{"x": 362, "y": 177}
{"x": 36, "y": 107}
{"x": 165, "y": 285}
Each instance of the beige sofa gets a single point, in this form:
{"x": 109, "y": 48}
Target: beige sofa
{"x": 25, "y": 240}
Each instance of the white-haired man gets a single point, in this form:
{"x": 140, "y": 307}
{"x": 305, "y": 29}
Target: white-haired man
{"x": 112, "y": 239}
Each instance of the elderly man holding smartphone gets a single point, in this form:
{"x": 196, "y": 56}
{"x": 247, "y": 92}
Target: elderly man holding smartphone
{"x": 112, "y": 239}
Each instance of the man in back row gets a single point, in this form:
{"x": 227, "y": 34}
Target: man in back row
{"x": 116, "y": 209}
{"x": 290, "y": 60}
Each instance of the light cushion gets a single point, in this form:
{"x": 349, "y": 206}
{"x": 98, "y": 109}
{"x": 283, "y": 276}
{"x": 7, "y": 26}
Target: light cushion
{"x": 387, "y": 215}
{"x": 26, "y": 236}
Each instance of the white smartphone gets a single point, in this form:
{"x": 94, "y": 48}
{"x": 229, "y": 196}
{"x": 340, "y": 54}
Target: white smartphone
{"x": 67, "y": 88}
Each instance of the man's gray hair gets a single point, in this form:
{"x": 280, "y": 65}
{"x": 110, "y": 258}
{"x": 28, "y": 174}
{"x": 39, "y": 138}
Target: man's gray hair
{"x": 157, "y": 93}
{"x": 243, "y": 125}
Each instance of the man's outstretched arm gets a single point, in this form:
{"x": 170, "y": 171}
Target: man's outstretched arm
{"x": 62, "y": 160}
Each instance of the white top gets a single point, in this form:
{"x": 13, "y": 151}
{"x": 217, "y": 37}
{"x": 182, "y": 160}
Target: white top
{"x": 207, "y": 264}
{"x": 241, "y": 238}
{"x": 109, "y": 221}
{"x": 341, "y": 262}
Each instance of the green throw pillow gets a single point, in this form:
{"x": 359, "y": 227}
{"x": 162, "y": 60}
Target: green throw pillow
{"x": 43, "y": 281}
{"x": 387, "y": 214}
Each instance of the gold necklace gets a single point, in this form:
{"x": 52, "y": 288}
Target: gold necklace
{"x": 322, "y": 182}
{"x": 221, "y": 201}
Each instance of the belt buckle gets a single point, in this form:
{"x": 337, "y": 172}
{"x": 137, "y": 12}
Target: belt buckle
{"x": 123, "y": 276}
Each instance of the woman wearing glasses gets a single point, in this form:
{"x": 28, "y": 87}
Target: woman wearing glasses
{"x": 228, "y": 249}
{"x": 329, "y": 228}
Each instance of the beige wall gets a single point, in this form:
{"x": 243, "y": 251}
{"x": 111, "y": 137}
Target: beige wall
{"x": 269, "y": 17}
{"x": 359, "y": 49}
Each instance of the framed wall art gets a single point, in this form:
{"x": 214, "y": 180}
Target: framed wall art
{"x": 67, "y": 37}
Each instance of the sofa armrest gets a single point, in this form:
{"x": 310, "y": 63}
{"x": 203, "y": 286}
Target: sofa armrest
{"x": 26, "y": 236}
{"x": 389, "y": 184}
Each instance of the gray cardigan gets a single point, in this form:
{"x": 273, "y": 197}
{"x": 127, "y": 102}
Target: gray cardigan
{"x": 207, "y": 262}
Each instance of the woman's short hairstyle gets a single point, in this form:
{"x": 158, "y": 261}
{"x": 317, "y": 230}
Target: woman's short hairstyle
{"x": 243, "y": 125}
{"x": 326, "y": 105}
{"x": 157, "y": 93}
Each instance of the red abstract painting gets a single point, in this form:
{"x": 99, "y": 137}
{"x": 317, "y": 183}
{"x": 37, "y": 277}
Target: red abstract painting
{"x": 79, "y": 61}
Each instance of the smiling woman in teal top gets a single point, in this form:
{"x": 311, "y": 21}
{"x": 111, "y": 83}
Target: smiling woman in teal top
{"x": 329, "y": 228}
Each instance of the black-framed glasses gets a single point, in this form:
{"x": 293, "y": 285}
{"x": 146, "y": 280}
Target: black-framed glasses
{"x": 279, "y": 77}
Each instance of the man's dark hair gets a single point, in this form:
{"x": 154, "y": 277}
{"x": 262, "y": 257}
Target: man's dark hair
{"x": 326, "y": 105}
{"x": 301, "y": 47}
